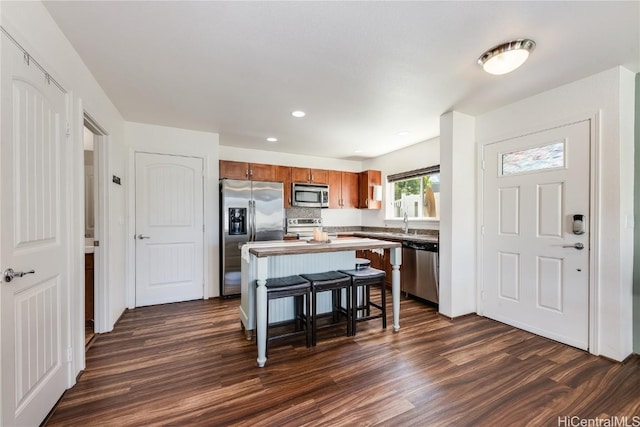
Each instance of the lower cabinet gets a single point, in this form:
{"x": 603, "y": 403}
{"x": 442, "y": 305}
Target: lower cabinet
{"x": 88, "y": 287}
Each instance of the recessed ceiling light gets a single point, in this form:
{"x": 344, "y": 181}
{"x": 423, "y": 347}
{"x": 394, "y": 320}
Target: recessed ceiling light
{"x": 504, "y": 58}
{"x": 271, "y": 139}
{"x": 298, "y": 113}
{"x": 358, "y": 151}
{"x": 403, "y": 133}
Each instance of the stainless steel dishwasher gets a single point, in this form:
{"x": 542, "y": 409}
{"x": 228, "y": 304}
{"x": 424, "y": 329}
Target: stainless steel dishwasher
{"x": 420, "y": 269}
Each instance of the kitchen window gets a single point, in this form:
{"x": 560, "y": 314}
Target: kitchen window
{"x": 416, "y": 193}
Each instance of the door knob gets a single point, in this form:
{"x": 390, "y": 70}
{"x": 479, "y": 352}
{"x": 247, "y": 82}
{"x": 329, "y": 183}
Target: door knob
{"x": 9, "y": 274}
{"x": 142, "y": 236}
{"x": 578, "y": 246}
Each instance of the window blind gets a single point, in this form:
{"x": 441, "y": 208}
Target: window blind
{"x": 413, "y": 174}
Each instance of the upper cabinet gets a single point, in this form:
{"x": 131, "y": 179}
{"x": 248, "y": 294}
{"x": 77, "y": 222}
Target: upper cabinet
{"x": 283, "y": 175}
{"x": 316, "y": 176}
{"x": 343, "y": 189}
{"x": 346, "y": 189}
{"x": 368, "y": 179}
{"x": 250, "y": 171}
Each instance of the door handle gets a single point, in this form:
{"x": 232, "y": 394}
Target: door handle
{"x": 578, "y": 246}
{"x": 142, "y": 236}
{"x": 9, "y": 274}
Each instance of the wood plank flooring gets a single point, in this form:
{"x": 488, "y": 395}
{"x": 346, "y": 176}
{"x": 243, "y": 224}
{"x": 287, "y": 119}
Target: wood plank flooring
{"x": 189, "y": 364}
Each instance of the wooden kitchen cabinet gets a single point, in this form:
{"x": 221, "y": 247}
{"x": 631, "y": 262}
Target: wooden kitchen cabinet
{"x": 368, "y": 179}
{"x": 343, "y": 189}
{"x": 315, "y": 176}
{"x": 251, "y": 171}
{"x": 88, "y": 287}
{"x": 283, "y": 175}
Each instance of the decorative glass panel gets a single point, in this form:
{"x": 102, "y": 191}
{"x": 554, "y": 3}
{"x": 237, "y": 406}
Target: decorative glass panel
{"x": 532, "y": 159}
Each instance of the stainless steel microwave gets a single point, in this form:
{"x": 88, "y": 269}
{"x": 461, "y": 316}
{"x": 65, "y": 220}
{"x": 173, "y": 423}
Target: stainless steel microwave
{"x": 309, "y": 195}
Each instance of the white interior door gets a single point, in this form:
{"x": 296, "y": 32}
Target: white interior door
{"x": 169, "y": 229}
{"x": 34, "y": 229}
{"x": 535, "y": 276}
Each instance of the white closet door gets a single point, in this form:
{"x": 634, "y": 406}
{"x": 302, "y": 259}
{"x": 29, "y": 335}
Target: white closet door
{"x": 169, "y": 229}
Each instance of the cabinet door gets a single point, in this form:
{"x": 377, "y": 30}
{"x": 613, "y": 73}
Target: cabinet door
{"x": 368, "y": 179}
{"x": 300, "y": 175}
{"x": 88, "y": 286}
{"x": 262, "y": 172}
{"x": 335, "y": 189}
{"x": 386, "y": 266}
{"x": 349, "y": 190}
{"x": 234, "y": 170}
{"x": 319, "y": 176}
{"x": 283, "y": 175}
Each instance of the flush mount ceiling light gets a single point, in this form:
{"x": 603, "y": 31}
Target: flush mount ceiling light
{"x": 298, "y": 113}
{"x": 272, "y": 139}
{"x": 506, "y": 57}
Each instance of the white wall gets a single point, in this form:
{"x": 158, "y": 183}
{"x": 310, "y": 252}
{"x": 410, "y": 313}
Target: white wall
{"x": 32, "y": 26}
{"x": 610, "y": 95}
{"x": 166, "y": 140}
{"x": 416, "y": 156}
{"x": 457, "y": 221}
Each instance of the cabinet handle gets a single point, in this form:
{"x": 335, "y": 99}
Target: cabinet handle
{"x": 246, "y": 173}
{"x": 310, "y": 177}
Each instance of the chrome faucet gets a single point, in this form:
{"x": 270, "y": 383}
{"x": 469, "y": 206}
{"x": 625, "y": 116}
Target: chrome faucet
{"x": 405, "y": 227}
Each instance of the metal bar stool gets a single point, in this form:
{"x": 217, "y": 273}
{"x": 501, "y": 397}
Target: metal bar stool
{"x": 335, "y": 282}
{"x": 300, "y": 289}
{"x": 365, "y": 278}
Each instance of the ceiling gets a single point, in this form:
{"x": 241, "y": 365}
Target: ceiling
{"x": 362, "y": 71}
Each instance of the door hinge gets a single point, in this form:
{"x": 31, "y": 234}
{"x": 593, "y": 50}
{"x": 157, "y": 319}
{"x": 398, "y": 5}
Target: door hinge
{"x": 482, "y": 230}
{"x": 69, "y": 354}
{"x": 203, "y": 228}
{"x": 68, "y": 129}
{"x": 483, "y": 165}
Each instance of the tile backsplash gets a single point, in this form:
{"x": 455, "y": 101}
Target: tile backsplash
{"x": 303, "y": 213}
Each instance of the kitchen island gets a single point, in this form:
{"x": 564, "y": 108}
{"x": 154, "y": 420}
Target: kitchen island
{"x": 263, "y": 260}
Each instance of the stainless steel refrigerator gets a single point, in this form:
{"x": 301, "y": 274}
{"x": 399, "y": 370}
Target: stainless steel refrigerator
{"x": 249, "y": 211}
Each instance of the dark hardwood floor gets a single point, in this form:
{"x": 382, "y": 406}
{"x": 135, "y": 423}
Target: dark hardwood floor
{"x": 189, "y": 364}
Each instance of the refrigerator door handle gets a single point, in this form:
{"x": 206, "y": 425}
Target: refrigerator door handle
{"x": 255, "y": 222}
{"x": 252, "y": 208}
{"x": 250, "y": 223}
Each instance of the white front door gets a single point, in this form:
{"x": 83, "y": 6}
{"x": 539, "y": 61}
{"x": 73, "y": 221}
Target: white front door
{"x": 535, "y": 267}
{"x": 34, "y": 227}
{"x": 169, "y": 229}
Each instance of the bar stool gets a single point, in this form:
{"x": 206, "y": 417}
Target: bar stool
{"x": 335, "y": 282}
{"x": 365, "y": 278}
{"x": 300, "y": 289}
{"x": 362, "y": 263}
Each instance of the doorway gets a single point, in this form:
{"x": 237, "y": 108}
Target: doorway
{"x": 94, "y": 228}
{"x": 89, "y": 235}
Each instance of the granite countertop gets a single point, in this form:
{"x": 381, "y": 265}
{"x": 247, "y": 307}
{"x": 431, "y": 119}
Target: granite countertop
{"x": 398, "y": 237}
{"x": 299, "y": 247}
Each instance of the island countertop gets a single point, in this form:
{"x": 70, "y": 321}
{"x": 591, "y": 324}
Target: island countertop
{"x": 336, "y": 245}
